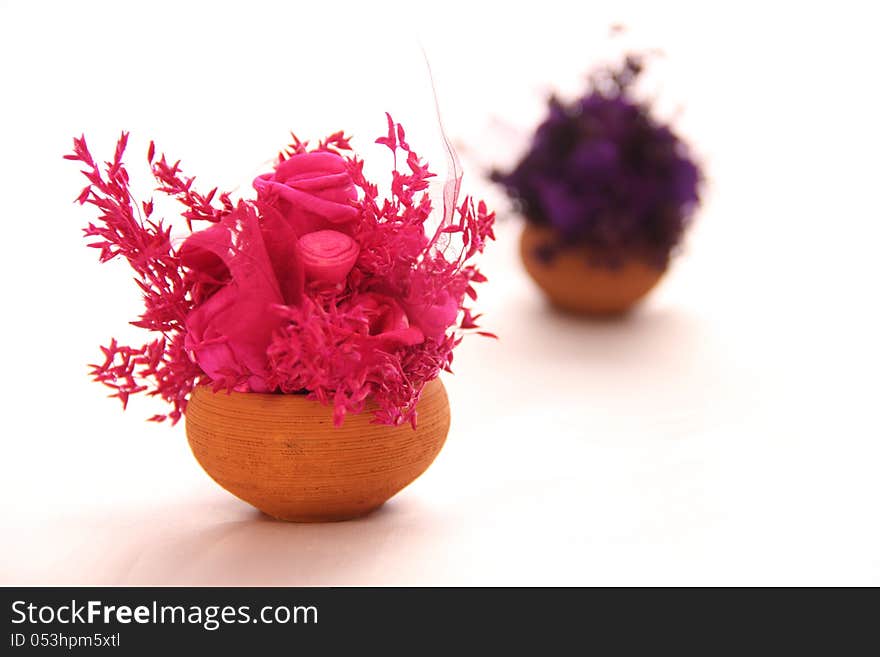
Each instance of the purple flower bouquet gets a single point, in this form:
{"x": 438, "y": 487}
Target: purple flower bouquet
{"x": 607, "y": 191}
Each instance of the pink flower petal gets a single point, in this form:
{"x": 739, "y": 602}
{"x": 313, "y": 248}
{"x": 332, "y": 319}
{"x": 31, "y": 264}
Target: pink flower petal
{"x": 229, "y": 333}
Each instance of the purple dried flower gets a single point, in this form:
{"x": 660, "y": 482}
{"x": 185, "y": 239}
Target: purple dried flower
{"x": 605, "y": 174}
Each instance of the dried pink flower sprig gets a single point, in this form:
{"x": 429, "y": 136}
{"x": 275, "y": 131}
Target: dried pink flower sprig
{"x": 317, "y": 285}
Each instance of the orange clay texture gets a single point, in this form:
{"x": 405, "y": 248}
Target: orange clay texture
{"x": 282, "y": 454}
{"x": 574, "y": 285}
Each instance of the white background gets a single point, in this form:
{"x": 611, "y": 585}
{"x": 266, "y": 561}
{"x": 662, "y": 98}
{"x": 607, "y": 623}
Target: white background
{"x": 726, "y": 433}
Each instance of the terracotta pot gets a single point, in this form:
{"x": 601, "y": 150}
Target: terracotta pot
{"x": 282, "y": 454}
{"x": 575, "y": 285}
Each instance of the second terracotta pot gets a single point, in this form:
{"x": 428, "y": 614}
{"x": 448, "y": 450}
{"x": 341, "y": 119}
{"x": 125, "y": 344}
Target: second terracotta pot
{"x": 575, "y": 285}
{"x": 282, "y": 454}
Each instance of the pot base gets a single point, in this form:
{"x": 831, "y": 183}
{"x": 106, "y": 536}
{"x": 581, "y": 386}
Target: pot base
{"x": 282, "y": 454}
{"x": 325, "y": 517}
{"x": 574, "y": 285}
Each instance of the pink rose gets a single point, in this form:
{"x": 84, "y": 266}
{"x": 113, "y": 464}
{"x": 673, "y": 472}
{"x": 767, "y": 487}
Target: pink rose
{"x": 313, "y": 191}
{"x": 388, "y": 326}
{"x": 327, "y": 255}
{"x": 433, "y": 312}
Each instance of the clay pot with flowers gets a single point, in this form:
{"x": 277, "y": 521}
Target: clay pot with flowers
{"x": 607, "y": 192}
{"x": 300, "y": 332}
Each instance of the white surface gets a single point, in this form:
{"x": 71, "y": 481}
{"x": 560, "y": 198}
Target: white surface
{"x": 725, "y": 434}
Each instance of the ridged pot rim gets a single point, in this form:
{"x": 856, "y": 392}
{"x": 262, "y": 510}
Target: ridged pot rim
{"x": 302, "y": 400}
{"x": 569, "y": 248}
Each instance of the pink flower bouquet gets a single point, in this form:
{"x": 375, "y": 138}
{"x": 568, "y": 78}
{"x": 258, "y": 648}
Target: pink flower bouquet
{"x": 316, "y": 285}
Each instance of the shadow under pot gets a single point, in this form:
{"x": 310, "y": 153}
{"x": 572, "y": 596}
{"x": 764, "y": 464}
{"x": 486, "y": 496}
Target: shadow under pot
{"x": 282, "y": 454}
{"x": 574, "y": 283}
